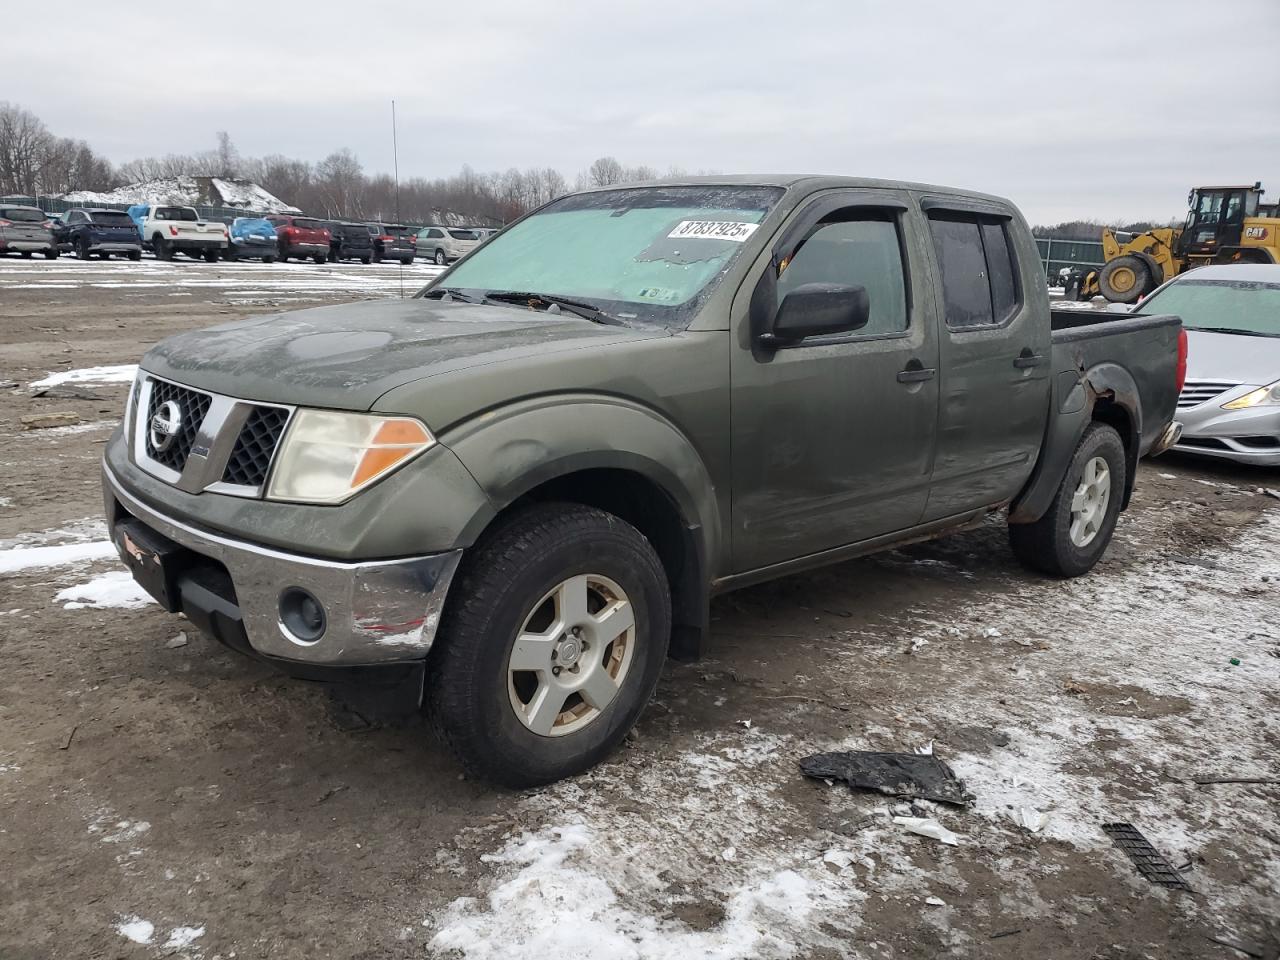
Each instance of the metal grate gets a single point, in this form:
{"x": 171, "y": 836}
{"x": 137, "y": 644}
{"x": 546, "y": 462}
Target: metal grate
{"x": 1196, "y": 392}
{"x": 251, "y": 456}
{"x": 192, "y": 407}
{"x": 1145, "y": 857}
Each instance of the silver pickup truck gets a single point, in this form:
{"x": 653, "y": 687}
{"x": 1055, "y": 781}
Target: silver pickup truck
{"x": 518, "y": 491}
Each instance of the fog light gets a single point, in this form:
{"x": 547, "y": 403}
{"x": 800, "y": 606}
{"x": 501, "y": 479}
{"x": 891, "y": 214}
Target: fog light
{"x": 301, "y": 615}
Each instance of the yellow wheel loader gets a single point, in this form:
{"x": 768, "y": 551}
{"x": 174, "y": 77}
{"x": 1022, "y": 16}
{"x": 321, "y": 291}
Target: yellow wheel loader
{"x": 1224, "y": 225}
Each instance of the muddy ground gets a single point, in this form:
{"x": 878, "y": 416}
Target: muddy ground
{"x": 159, "y": 799}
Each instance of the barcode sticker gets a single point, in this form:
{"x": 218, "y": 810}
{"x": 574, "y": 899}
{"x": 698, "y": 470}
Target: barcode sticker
{"x": 733, "y": 230}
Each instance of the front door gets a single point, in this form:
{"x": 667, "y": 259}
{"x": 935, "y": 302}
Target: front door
{"x": 833, "y": 436}
{"x": 995, "y": 347}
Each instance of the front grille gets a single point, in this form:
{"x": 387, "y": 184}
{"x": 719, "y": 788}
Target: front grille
{"x": 251, "y": 456}
{"x": 192, "y": 407}
{"x": 1196, "y": 392}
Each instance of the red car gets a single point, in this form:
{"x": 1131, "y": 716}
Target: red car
{"x": 301, "y": 237}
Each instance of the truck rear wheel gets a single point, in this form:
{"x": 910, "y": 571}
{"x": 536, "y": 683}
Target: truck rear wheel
{"x": 1125, "y": 279}
{"x": 162, "y": 248}
{"x": 211, "y": 255}
{"x": 551, "y": 644}
{"x": 1075, "y": 531}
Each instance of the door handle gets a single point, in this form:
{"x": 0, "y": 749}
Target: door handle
{"x": 916, "y": 372}
{"x": 1027, "y": 359}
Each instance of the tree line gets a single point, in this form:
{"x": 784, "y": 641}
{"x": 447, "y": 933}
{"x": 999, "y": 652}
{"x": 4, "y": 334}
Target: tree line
{"x": 35, "y": 162}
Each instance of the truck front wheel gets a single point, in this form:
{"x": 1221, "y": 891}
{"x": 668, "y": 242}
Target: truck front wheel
{"x": 552, "y": 640}
{"x": 1125, "y": 279}
{"x": 1073, "y": 534}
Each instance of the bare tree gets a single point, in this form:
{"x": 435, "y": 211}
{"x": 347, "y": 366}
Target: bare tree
{"x": 605, "y": 171}
{"x": 228, "y": 156}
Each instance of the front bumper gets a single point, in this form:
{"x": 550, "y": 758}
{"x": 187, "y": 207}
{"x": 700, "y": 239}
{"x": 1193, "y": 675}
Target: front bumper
{"x": 1245, "y": 436}
{"x": 376, "y": 612}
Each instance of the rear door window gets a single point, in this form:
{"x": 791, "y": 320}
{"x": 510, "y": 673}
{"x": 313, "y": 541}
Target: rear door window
{"x": 979, "y": 275}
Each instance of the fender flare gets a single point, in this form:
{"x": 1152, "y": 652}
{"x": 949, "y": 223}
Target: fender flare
{"x": 1074, "y": 403}
{"x": 513, "y": 449}
{"x": 1254, "y": 254}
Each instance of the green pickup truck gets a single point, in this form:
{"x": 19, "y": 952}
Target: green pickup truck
{"x": 514, "y": 495}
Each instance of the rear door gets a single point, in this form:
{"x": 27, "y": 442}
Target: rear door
{"x": 994, "y": 359}
{"x": 832, "y": 437}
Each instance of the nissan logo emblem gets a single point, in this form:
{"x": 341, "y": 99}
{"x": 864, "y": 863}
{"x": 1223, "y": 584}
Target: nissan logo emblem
{"x": 166, "y": 424}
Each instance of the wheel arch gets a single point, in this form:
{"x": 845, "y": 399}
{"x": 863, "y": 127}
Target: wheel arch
{"x": 1106, "y": 394}
{"x": 655, "y": 480}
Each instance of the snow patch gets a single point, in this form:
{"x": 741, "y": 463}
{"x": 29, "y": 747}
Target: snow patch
{"x": 64, "y": 554}
{"x": 180, "y": 937}
{"x": 117, "y": 373}
{"x": 136, "y": 929}
{"x": 551, "y": 871}
{"x": 115, "y": 589}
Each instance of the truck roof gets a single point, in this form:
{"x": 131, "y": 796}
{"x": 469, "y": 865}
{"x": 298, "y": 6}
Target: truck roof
{"x": 811, "y": 182}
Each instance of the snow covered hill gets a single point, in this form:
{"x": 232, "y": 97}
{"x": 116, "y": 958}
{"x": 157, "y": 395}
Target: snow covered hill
{"x": 190, "y": 191}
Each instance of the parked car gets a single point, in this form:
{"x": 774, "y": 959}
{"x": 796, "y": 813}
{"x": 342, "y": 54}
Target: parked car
{"x": 541, "y": 469}
{"x": 251, "y": 238}
{"x": 392, "y": 242}
{"x": 170, "y": 230}
{"x": 445, "y": 244}
{"x": 86, "y": 231}
{"x": 301, "y": 237}
{"x": 350, "y": 241}
{"x": 1230, "y": 406}
{"x": 26, "y": 230}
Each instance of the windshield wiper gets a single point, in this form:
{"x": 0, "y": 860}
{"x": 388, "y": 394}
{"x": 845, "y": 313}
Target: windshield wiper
{"x": 1236, "y": 330}
{"x": 439, "y": 293}
{"x": 588, "y": 311}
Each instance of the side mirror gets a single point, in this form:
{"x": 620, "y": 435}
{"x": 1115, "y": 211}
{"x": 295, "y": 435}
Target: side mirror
{"x": 819, "y": 309}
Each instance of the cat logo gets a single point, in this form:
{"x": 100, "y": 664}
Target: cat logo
{"x": 1255, "y": 233}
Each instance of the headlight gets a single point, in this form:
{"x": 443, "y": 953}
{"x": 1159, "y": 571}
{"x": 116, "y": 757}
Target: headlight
{"x": 326, "y": 457}
{"x": 1269, "y": 395}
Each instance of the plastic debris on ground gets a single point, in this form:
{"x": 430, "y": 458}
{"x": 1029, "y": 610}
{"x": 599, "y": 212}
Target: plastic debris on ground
{"x": 1149, "y": 861}
{"x": 910, "y": 775}
{"x": 1030, "y": 819}
{"x": 935, "y": 901}
{"x": 928, "y": 827}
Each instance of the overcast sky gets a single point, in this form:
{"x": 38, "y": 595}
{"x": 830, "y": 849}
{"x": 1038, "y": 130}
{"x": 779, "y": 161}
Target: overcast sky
{"x": 1109, "y": 110}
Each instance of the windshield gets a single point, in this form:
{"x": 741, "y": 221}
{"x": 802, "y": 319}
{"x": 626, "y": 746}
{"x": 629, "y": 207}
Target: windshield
{"x": 650, "y": 254}
{"x": 110, "y": 218}
{"x": 22, "y": 215}
{"x": 1236, "y": 305}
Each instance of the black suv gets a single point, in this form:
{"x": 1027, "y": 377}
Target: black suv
{"x": 349, "y": 241}
{"x": 392, "y": 242}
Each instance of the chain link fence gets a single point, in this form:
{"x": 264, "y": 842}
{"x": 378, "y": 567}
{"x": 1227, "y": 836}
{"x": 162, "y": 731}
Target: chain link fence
{"x": 1081, "y": 254}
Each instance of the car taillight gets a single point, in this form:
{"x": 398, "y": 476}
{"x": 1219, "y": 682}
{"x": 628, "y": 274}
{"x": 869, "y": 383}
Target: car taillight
{"x": 387, "y": 239}
{"x": 1182, "y": 359}
{"x": 6, "y": 223}
{"x": 173, "y": 231}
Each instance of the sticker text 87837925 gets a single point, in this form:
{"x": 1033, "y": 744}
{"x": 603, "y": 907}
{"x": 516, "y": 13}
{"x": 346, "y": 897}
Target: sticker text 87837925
{"x": 733, "y": 230}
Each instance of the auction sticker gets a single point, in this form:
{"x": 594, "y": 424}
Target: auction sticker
{"x": 733, "y": 230}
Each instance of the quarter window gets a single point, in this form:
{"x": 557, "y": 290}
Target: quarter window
{"x": 862, "y": 251}
{"x": 979, "y": 275}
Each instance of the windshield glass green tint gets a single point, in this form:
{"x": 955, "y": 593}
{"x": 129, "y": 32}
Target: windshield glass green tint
{"x": 650, "y": 254}
{"x": 1244, "y": 305}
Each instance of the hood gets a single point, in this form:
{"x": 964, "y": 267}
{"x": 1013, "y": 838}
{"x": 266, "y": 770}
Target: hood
{"x": 346, "y": 356}
{"x": 1232, "y": 356}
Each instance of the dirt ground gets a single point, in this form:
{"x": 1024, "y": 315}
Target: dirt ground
{"x": 165, "y": 799}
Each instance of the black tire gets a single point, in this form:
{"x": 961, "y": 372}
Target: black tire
{"x": 162, "y": 249}
{"x": 211, "y": 256}
{"x": 377, "y": 256}
{"x": 1113, "y": 279}
{"x": 82, "y": 249}
{"x": 321, "y": 258}
{"x": 135, "y": 255}
{"x": 51, "y": 254}
{"x": 268, "y": 259}
{"x": 366, "y": 259}
{"x": 440, "y": 259}
{"x": 1046, "y": 545}
{"x": 495, "y": 591}
{"x": 26, "y": 254}
{"x": 407, "y": 261}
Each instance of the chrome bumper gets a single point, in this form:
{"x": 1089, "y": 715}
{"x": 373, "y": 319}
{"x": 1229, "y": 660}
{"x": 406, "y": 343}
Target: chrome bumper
{"x": 1172, "y": 433}
{"x": 376, "y": 612}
